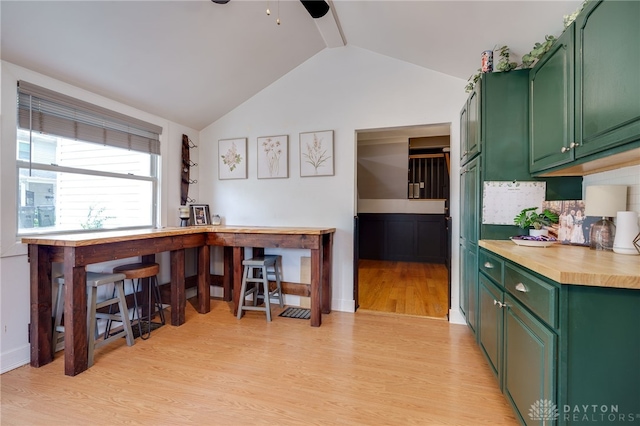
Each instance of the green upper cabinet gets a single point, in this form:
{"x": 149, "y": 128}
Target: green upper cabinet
{"x": 585, "y": 92}
{"x": 470, "y": 134}
{"x": 551, "y": 106}
{"x": 607, "y": 75}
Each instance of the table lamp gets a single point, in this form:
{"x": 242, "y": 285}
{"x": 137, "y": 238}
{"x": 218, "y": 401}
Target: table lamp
{"x": 604, "y": 201}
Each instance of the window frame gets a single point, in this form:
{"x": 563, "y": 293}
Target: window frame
{"x": 154, "y": 158}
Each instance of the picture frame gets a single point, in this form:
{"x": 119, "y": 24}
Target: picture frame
{"x": 199, "y": 214}
{"x": 232, "y": 158}
{"x": 273, "y": 157}
{"x": 316, "y": 153}
{"x": 573, "y": 227}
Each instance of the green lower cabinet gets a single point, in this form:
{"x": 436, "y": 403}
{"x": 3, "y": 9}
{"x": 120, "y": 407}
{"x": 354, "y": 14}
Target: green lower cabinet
{"x": 472, "y": 288}
{"x": 490, "y": 319}
{"x": 529, "y": 365}
{"x": 599, "y": 358}
{"x": 563, "y": 354}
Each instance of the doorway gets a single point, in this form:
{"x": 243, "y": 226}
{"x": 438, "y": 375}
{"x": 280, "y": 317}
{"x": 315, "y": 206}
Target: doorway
{"x": 402, "y": 246}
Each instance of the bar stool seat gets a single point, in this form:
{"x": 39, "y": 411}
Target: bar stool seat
{"x": 267, "y": 266}
{"x": 136, "y": 272}
{"x": 95, "y": 280}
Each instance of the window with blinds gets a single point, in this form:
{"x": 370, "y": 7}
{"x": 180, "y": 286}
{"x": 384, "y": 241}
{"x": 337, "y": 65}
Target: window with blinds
{"x": 81, "y": 166}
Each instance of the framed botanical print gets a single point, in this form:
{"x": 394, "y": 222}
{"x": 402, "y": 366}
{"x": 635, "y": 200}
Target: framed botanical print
{"x": 232, "y": 158}
{"x": 273, "y": 157}
{"x": 316, "y": 153}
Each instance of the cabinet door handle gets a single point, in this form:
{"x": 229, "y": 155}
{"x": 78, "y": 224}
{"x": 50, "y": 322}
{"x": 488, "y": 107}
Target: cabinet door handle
{"x": 521, "y": 287}
{"x": 564, "y": 149}
{"x": 489, "y": 265}
{"x": 500, "y": 304}
{"x": 573, "y": 145}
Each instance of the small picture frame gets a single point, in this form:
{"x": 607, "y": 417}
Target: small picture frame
{"x": 316, "y": 153}
{"x": 273, "y": 157}
{"x": 573, "y": 226}
{"x": 199, "y": 214}
{"x": 232, "y": 158}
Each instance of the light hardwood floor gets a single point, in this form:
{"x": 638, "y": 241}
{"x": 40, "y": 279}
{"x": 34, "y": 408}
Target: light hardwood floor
{"x": 357, "y": 369}
{"x": 410, "y": 288}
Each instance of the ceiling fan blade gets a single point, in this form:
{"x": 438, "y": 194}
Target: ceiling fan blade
{"x": 316, "y": 8}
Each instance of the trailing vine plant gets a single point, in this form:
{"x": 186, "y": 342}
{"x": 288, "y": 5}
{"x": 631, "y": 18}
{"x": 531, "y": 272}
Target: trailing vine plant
{"x": 529, "y": 59}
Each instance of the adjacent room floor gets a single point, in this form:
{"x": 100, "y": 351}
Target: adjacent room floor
{"x": 409, "y": 288}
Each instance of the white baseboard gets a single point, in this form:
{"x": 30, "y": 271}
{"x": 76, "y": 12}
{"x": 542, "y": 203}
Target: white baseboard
{"x": 456, "y": 317}
{"x": 15, "y": 358}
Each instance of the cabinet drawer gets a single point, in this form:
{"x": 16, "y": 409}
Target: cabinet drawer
{"x": 491, "y": 266}
{"x": 534, "y": 293}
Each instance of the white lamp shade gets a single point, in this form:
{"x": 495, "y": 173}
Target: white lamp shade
{"x": 605, "y": 200}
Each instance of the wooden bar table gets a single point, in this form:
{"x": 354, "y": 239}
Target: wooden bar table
{"x": 76, "y": 251}
{"x": 318, "y": 240}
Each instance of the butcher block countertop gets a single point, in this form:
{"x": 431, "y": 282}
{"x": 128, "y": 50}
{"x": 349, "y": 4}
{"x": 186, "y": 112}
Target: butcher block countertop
{"x": 87, "y": 239}
{"x": 567, "y": 264}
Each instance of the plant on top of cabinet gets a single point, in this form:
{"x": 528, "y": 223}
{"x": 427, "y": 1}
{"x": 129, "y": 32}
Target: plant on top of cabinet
{"x": 504, "y": 64}
{"x": 538, "y": 50}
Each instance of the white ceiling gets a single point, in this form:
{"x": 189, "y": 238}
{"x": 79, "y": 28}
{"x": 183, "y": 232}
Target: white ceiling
{"x": 192, "y": 61}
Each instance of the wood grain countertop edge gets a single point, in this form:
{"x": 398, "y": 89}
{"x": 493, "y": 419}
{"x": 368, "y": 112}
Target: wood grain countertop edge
{"x": 103, "y": 237}
{"x": 573, "y": 265}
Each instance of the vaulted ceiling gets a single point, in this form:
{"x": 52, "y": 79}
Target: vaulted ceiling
{"x": 192, "y": 61}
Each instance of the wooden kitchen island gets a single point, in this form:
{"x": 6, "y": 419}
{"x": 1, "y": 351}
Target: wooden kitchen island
{"x": 76, "y": 251}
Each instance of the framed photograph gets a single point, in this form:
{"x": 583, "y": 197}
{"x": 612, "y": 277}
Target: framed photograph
{"x": 316, "y": 153}
{"x": 199, "y": 214}
{"x": 232, "y": 158}
{"x": 573, "y": 226}
{"x": 273, "y": 157}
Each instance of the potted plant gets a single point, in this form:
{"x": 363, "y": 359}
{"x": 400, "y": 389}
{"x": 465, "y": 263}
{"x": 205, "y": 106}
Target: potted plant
{"x": 529, "y": 219}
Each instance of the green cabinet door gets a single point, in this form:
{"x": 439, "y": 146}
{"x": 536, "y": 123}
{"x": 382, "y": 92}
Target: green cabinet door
{"x": 464, "y": 287}
{"x": 469, "y": 181}
{"x": 529, "y": 365}
{"x": 551, "y": 108}
{"x": 470, "y": 126}
{"x": 472, "y": 286}
{"x": 474, "y": 143}
{"x": 464, "y": 143}
{"x": 490, "y": 318}
{"x": 607, "y": 75}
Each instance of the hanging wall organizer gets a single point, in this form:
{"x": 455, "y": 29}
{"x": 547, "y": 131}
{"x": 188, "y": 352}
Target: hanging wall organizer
{"x": 185, "y": 181}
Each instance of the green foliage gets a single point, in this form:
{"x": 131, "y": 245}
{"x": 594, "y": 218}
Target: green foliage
{"x": 471, "y": 82}
{"x": 528, "y": 218}
{"x": 538, "y": 50}
{"x": 504, "y": 64}
{"x": 95, "y": 218}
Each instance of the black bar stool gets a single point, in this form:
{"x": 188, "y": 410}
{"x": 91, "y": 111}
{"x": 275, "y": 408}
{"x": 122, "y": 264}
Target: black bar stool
{"x": 136, "y": 272}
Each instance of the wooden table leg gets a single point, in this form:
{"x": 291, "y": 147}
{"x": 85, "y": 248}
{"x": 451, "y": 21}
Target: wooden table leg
{"x": 327, "y": 242}
{"x": 204, "y": 290}
{"x": 75, "y": 315}
{"x": 316, "y": 285}
{"x": 178, "y": 298}
{"x": 227, "y": 277}
{"x": 238, "y": 257}
{"x": 40, "y": 293}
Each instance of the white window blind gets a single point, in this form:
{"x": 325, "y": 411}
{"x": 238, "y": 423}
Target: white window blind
{"x": 53, "y": 113}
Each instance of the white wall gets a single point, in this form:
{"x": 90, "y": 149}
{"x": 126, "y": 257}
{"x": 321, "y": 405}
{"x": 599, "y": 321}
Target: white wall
{"x": 343, "y": 89}
{"x": 14, "y": 267}
{"x": 629, "y": 176}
